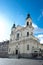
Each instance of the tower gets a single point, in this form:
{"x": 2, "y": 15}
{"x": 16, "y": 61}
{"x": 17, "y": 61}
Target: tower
{"x": 28, "y": 21}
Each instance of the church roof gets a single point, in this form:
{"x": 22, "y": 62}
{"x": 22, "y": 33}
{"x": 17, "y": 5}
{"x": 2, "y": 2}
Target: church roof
{"x": 33, "y": 37}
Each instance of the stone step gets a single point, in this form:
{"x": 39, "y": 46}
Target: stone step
{"x": 13, "y": 56}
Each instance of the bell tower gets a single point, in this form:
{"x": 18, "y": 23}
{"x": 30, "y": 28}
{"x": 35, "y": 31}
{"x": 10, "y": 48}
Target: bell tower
{"x": 28, "y": 20}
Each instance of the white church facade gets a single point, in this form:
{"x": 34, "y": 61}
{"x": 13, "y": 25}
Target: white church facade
{"x": 22, "y": 40}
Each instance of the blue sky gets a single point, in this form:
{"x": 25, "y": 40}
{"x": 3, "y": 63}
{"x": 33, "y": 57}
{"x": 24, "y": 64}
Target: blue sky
{"x": 16, "y": 11}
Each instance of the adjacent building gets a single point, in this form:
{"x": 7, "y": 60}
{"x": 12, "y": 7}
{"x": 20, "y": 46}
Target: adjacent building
{"x": 41, "y": 46}
{"x": 4, "y": 48}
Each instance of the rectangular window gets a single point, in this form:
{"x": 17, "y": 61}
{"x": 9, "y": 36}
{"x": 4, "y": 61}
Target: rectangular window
{"x": 27, "y": 47}
{"x": 27, "y": 33}
{"x": 9, "y": 49}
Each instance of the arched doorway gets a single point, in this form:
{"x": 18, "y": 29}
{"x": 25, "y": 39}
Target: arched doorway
{"x": 16, "y": 51}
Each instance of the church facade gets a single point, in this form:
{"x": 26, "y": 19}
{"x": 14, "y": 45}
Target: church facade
{"x": 22, "y": 40}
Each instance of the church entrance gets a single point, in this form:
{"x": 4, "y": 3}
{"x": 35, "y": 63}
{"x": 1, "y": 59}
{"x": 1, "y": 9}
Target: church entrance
{"x": 16, "y": 52}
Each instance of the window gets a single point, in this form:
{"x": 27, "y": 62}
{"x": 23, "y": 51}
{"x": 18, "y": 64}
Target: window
{"x": 32, "y": 47}
{"x": 27, "y": 33}
{"x": 31, "y": 33}
{"x": 10, "y": 39}
{"x": 27, "y": 23}
{"x": 27, "y": 47}
{"x": 9, "y": 49}
{"x": 11, "y": 32}
{"x": 17, "y": 35}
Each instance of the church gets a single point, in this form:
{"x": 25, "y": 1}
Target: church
{"x": 22, "y": 40}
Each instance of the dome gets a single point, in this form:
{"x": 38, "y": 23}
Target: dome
{"x": 28, "y": 16}
{"x": 13, "y": 26}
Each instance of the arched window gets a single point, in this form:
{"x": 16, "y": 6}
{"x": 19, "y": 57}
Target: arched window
{"x": 27, "y": 47}
{"x": 17, "y": 35}
{"x": 27, "y": 23}
{"x": 27, "y": 34}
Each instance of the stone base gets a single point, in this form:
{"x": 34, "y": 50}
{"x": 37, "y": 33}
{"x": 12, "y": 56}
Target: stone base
{"x": 24, "y": 55}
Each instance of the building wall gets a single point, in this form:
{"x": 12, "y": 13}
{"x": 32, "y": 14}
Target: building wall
{"x": 4, "y": 48}
{"x": 24, "y": 40}
{"x": 21, "y": 46}
{"x": 41, "y": 46}
{"x": 22, "y": 32}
